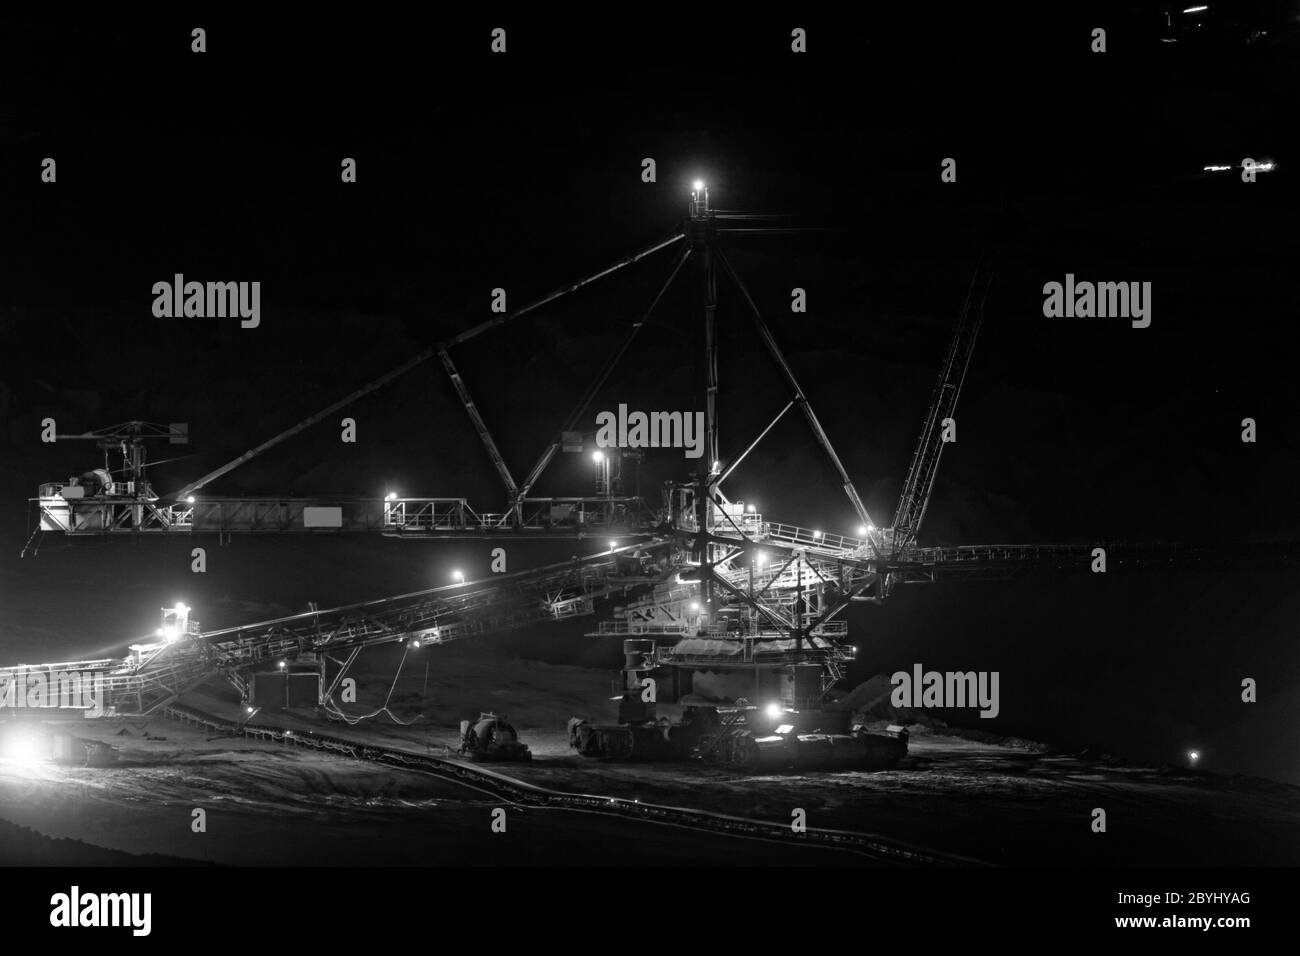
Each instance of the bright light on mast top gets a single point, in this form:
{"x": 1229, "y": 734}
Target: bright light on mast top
{"x": 699, "y": 198}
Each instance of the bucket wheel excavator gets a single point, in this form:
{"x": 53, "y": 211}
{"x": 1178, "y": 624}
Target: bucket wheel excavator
{"x": 728, "y": 615}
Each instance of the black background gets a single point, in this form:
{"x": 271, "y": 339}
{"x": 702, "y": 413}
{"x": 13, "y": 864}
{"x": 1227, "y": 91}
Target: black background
{"x": 523, "y": 171}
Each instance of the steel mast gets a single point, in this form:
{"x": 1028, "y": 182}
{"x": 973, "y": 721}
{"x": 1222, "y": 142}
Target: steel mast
{"x": 699, "y": 230}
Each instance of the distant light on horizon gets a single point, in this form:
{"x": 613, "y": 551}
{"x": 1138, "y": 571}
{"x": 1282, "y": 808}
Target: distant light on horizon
{"x": 1266, "y": 166}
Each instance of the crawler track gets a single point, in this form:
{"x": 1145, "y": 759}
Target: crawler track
{"x": 519, "y": 793}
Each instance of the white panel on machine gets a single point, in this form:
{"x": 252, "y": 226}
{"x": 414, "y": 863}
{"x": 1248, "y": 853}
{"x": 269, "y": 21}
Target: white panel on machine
{"x": 322, "y": 517}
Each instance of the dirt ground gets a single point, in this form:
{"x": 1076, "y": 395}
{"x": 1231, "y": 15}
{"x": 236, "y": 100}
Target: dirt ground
{"x": 1003, "y": 803}
{"x": 278, "y": 805}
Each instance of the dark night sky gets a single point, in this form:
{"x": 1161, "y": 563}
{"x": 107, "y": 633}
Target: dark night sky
{"x": 523, "y": 171}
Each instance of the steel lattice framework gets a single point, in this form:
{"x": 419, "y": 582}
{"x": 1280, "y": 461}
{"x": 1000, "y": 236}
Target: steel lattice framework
{"x": 699, "y": 566}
